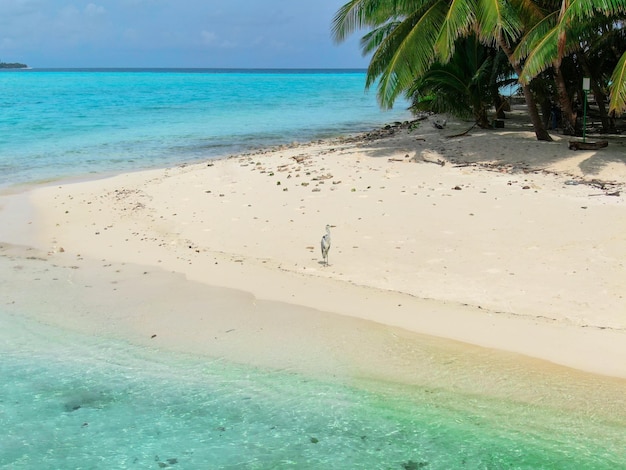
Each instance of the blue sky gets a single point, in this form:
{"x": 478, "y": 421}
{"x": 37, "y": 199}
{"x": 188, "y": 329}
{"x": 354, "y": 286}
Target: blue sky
{"x": 174, "y": 33}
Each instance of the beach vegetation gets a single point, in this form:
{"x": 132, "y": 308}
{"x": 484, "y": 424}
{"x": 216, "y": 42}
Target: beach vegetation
{"x": 467, "y": 86}
{"x": 572, "y": 40}
{"x": 550, "y": 45}
{"x": 12, "y": 65}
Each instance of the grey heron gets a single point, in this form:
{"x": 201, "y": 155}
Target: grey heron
{"x": 326, "y": 245}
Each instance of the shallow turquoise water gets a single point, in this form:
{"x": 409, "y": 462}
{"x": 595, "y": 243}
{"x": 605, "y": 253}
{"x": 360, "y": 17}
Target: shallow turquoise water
{"x": 65, "y": 123}
{"x": 72, "y": 401}
{"x": 69, "y": 400}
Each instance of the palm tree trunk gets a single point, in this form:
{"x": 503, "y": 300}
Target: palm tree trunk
{"x": 499, "y": 104}
{"x": 531, "y": 104}
{"x": 608, "y": 125}
{"x": 569, "y": 117}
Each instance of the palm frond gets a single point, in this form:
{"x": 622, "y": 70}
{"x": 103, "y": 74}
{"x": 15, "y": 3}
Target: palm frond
{"x": 463, "y": 86}
{"x": 529, "y": 11}
{"x": 458, "y": 22}
{"x": 618, "y": 87}
{"x": 347, "y": 20}
{"x": 496, "y": 18}
{"x": 406, "y": 53}
{"x": 534, "y": 36}
{"x": 583, "y": 9}
{"x": 359, "y": 14}
{"x": 373, "y": 39}
{"x": 542, "y": 56}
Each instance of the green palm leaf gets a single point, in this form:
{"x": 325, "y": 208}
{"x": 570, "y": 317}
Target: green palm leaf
{"x": 462, "y": 86}
{"x": 618, "y": 87}
{"x": 576, "y": 10}
{"x": 543, "y": 54}
{"x": 359, "y": 14}
{"x": 534, "y": 36}
{"x": 407, "y": 52}
{"x": 407, "y": 36}
{"x": 372, "y": 40}
{"x": 458, "y": 22}
{"x": 496, "y": 19}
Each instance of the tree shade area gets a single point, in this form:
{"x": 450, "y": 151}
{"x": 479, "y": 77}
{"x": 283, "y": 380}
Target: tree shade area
{"x": 455, "y": 56}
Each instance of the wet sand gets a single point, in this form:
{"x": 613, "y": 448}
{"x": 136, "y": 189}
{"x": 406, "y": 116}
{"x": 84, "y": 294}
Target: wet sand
{"x": 492, "y": 240}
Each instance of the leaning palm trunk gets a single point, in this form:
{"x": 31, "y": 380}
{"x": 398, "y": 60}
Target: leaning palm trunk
{"x": 481, "y": 118}
{"x": 567, "y": 113}
{"x": 533, "y": 113}
{"x": 531, "y": 104}
{"x": 608, "y": 124}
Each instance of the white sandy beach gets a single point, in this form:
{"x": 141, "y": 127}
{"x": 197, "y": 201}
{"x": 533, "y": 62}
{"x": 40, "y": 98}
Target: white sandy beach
{"x": 511, "y": 244}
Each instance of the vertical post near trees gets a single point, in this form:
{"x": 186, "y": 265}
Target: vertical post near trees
{"x": 586, "y": 88}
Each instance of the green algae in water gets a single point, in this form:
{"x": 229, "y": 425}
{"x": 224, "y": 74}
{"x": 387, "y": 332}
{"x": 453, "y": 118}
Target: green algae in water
{"x": 74, "y": 402}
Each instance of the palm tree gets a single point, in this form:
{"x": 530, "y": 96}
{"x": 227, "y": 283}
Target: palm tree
{"x": 601, "y": 46}
{"x": 408, "y": 37}
{"x": 466, "y": 86}
{"x": 568, "y": 28}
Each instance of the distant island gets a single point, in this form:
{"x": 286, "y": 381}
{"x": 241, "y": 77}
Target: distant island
{"x": 15, "y": 65}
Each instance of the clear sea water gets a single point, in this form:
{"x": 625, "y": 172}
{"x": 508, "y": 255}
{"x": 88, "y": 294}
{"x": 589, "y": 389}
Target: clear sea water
{"x": 60, "y": 123}
{"x": 70, "y": 400}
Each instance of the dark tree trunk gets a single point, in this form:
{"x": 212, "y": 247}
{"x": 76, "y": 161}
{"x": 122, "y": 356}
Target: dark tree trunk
{"x": 567, "y": 113}
{"x": 533, "y": 112}
{"x": 500, "y": 105}
{"x": 481, "y": 118}
{"x": 608, "y": 124}
{"x": 546, "y": 112}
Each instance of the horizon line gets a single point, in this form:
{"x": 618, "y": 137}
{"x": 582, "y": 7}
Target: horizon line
{"x": 359, "y": 69}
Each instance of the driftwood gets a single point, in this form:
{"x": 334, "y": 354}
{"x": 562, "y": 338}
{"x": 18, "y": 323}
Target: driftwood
{"x": 577, "y": 145}
{"x": 439, "y": 161}
{"x": 613, "y": 193}
{"x": 462, "y": 133}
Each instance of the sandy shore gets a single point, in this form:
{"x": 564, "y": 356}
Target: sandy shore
{"x": 491, "y": 239}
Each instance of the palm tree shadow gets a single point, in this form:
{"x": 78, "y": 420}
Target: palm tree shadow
{"x": 514, "y": 146}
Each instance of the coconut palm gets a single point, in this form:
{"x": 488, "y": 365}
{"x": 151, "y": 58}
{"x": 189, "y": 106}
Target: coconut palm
{"x": 601, "y": 46}
{"x": 568, "y": 28}
{"x": 408, "y": 37}
{"x": 467, "y": 86}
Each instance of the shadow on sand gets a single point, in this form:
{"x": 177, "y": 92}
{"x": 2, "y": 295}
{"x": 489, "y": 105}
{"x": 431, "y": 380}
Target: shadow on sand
{"x": 514, "y": 146}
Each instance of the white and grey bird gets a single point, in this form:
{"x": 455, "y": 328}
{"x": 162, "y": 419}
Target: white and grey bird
{"x": 326, "y": 245}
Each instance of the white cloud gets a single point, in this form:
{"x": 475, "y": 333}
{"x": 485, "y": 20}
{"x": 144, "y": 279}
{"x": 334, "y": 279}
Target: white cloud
{"x": 19, "y": 7}
{"x": 76, "y": 32}
{"x": 210, "y": 39}
{"x": 228, "y": 44}
{"x": 94, "y": 10}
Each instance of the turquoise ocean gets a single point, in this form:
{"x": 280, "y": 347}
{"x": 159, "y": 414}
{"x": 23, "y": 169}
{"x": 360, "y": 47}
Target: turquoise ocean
{"x": 69, "y": 400}
{"x": 63, "y": 123}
